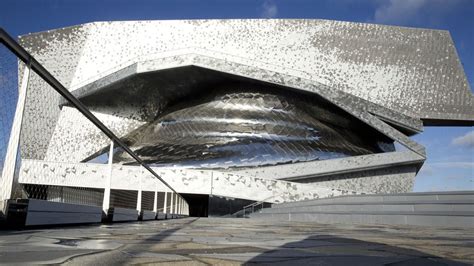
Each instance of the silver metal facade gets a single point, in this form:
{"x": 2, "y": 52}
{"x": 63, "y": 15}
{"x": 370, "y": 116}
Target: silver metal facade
{"x": 339, "y": 91}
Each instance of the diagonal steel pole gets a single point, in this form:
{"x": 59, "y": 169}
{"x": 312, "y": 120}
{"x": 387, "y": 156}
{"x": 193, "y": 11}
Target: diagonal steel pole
{"x": 27, "y": 58}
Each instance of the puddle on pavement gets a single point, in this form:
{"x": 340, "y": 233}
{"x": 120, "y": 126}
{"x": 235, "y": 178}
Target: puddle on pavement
{"x": 89, "y": 244}
{"x": 68, "y": 242}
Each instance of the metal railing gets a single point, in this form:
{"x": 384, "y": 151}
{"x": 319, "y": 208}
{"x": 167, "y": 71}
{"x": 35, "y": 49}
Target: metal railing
{"x": 256, "y": 206}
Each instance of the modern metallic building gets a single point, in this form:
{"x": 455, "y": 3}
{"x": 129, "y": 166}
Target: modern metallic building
{"x": 238, "y": 110}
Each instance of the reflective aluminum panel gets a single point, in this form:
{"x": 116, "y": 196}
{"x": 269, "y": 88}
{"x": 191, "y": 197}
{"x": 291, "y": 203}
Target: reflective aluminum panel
{"x": 237, "y": 126}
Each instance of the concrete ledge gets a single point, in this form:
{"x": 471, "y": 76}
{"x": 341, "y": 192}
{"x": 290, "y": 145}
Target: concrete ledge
{"x": 453, "y": 208}
{"x": 148, "y": 215}
{"x": 121, "y": 214}
{"x": 161, "y": 216}
{"x": 41, "y": 212}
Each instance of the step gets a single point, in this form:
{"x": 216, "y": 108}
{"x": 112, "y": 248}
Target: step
{"x": 377, "y": 218}
{"x": 451, "y": 209}
{"x": 425, "y": 197}
{"x": 424, "y": 213}
{"x": 453, "y": 206}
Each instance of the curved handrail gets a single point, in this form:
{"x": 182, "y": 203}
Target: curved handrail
{"x": 261, "y": 202}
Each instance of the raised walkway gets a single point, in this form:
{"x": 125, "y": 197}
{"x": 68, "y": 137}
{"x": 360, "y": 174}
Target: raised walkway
{"x": 204, "y": 241}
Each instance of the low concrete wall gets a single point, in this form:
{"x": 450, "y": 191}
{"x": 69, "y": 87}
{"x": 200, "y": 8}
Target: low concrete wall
{"x": 148, "y": 215}
{"x": 122, "y": 214}
{"x": 161, "y": 216}
{"x": 41, "y": 212}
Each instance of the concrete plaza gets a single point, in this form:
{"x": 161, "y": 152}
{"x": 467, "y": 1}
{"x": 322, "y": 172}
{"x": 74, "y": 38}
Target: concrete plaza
{"x": 203, "y": 241}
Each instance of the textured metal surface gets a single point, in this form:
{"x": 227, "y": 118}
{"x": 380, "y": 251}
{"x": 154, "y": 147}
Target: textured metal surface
{"x": 414, "y": 71}
{"x": 389, "y": 66}
{"x": 252, "y": 126}
{"x": 122, "y": 97}
{"x": 386, "y": 180}
{"x": 41, "y": 112}
{"x": 8, "y": 98}
{"x": 314, "y": 169}
{"x": 161, "y": 80}
{"x": 359, "y": 108}
{"x": 164, "y": 86}
{"x": 208, "y": 182}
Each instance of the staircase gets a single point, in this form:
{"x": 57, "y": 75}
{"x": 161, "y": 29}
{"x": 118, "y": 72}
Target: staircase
{"x": 447, "y": 209}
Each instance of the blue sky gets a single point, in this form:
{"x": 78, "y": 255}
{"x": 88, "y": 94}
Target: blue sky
{"x": 450, "y": 149}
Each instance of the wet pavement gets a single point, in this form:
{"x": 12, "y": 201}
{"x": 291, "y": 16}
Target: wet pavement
{"x": 203, "y": 241}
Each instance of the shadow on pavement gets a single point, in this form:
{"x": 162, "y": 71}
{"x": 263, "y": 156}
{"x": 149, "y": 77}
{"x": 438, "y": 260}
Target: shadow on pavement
{"x": 333, "y": 250}
{"x": 162, "y": 235}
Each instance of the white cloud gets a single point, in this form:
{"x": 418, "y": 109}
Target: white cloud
{"x": 269, "y": 9}
{"x": 398, "y": 10}
{"x": 461, "y": 165}
{"x": 466, "y": 140}
{"x": 405, "y": 12}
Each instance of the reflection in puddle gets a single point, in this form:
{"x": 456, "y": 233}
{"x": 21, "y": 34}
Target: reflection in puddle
{"x": 89, "y": 244}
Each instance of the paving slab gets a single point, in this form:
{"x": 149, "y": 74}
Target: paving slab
{"x": 233, "y": 241}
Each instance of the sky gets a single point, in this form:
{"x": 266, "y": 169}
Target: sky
{"x": 450, "y": 164}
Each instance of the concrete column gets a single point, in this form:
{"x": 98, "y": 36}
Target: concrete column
{"x": 177, "y": 203}
{"x": 139, "y": 200}
{"x": 108, "y": 182}
{"x": 172, "y": 203}
{"x": 176, "y": 209}
{"x": 139, "y": 194}
{"x": 165, "y": 202}
{"x": 8, "y": 172}
{"x": 155, "y": 202}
